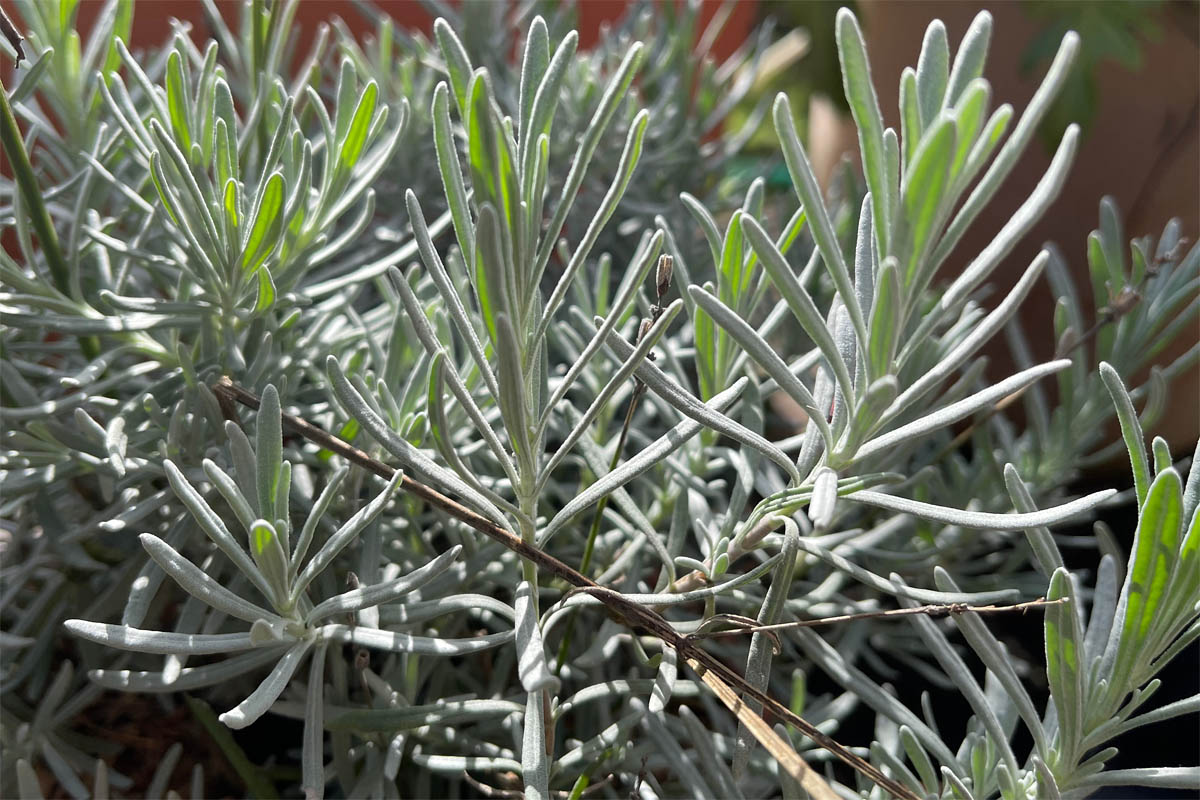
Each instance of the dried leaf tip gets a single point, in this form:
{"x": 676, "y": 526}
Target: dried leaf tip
{"x": 644, "y": 329}
{"x": 14, "y": 37}
{"x": 666, "y": 265}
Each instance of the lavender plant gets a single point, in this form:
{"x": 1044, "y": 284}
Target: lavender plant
{"x": 514, "y": 490}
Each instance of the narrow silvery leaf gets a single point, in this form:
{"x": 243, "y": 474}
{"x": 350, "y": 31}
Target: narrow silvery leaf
{"x": 918, "y": 758}
{"x": 451, "y": 173}
{"x": 319, "y": 507}
{"x": 805, "y": 184}
{"x": 62, "y": 770}
{"x": 403, "y": 718}
{"x": 969, "y": 116}
{"x": 964, "y": 682}
{"x": 350, "y": 147}
{"x": 894, "y": 588}
{"x": 980, "y": 519}
{"x": 1046, "y": 554}
{"x": 636, "y": 274}
{"x": 764, "y": 354}
{"x": 512, "y": 391}
{"x": 933, "y": 71}
{"x": 708, "y": 225}
{"x": 824, "y": 498}
{"x": 254, "y": 706}
{"x": 100, "y": 789}
{"x": 532, "y": 669}
{"x": 690, "y": 406}
{"x": 664, "y": 682}
{"x": 798, "y": 300}
{"x": 159, "y": 642}
{"x": 410, "y": 457}
{"x": 1131, "y": 430}
{"x": 189, "y": 677}
{"x": 891, "y": 173}
{"x": 492, "y": 278}
{"x": 541, "y": 110}
{"x": 629, "y": 160}
{"x": 598, "y": 461}
{"x": 885, "y": 319}
{"x": 380, "y": 593}
{"x": 28, "y": 785}
{"x": 846, "y": 675}
{"x": 980, "y": 333}
{"x": 864, "y": 106}
{"x": 230, "y": 491}
{"x": 971, "y": 56}
{"x": 437, "y": 270}
{"x": 433, "y": 346}
{"x": 911, "y": 128}
{"x": 268, "y": 450}
{"x": 1155, "y": 551}
{"x": 646, "y": 343}
{"x": 616, "y": 91}
{"x": 535, "y": 756}
{"x": 646, "y": 458}
{"x": 1191, "y": 490}
{"x": 406, "y": 643}
{"x": 924, "y": 187}
{"x": 956, "y": 411}
{"x": 245, "y": 468}
{"x": 1064, "y": 666}
{"x": 999, "y": 661}
{"x": 868, "y": 415}
{"x": 162, "y": 771}
{"x": 342, "y": 537}
{"x": 533, "y": 68}
{"x": 1041, "y": 102}
{"x": 758, "y": 662}
{"x": 458, "y": 63}
{"x": 1104, "y": 608}
{"x": 1019, "y": 224}
{"x": 214, "y": 528}
{"x": 1182, "y": 778}
{"x": 313, "y": 748}
{"x": 115, "y": 443}
{"x": 440, "y": 430}
{"x": 197, "y": 583}
{"x": 865, "y": 262}
{"x": 714, "y": 765}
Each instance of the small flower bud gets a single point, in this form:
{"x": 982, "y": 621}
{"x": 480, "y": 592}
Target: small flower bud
{"x": 666, "y": 265}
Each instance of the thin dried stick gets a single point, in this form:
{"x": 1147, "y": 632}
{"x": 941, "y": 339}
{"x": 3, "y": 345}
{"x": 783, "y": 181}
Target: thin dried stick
{"x": 716, "y": 675}
{"x": 931, "y": 610}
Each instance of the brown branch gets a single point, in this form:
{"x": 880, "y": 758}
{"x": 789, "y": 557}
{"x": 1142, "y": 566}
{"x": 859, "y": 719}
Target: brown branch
{"x": 716, "y": 675}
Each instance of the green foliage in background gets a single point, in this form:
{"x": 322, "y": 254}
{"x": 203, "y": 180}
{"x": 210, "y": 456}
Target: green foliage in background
{"x": 1114, "y": 30}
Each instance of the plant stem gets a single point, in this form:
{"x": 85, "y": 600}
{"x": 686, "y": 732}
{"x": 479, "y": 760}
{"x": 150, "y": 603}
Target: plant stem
{"x": 14, "y": 148}
{"x": 586, "y": 562}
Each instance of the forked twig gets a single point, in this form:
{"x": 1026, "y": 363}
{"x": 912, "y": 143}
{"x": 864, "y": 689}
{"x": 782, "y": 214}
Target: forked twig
{"x": 720, "y": 678}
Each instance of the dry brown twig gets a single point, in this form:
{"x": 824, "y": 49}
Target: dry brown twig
{"x": 720, "y": 678}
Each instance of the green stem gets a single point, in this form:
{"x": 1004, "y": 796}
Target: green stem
{"x": 586, "y": 562}
{"x": 14, "y": 148}
{"x": 529, "y": 536}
